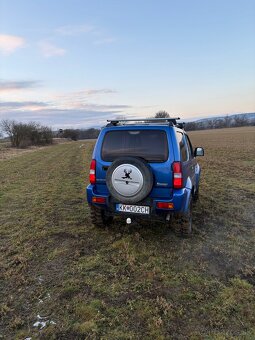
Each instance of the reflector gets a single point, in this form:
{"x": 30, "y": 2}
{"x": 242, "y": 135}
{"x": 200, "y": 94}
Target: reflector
{"x": 100, "y": 200}
{"x": 165, "y": 205}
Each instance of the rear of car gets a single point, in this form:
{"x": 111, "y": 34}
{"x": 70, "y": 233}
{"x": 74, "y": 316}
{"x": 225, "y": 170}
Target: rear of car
{"x": 137, "y": 171}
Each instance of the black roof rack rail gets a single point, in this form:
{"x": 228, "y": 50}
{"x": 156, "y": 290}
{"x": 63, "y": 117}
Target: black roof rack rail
{"x": 181, "y": 125}
{"x": 171, "y": 121}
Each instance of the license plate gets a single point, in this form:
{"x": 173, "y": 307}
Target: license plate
{"x": 133, "y": 209}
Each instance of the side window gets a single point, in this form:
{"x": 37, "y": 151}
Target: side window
{"x": 183, "y": 147}
{"x": 190, "y": 146}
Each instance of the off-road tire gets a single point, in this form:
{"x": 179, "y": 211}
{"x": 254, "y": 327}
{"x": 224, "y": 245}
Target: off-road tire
{"x": 196, "y": 195}
{"x": 99, "y": 218}
{"x": 147, "y": 175}
{"x": 183, "y": 223}
{"x": 176, "y": 225}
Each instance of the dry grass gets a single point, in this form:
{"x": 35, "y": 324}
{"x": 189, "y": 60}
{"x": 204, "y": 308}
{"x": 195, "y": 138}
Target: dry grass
{"x": 125, "y": 283}
{"x": 7, "y": 152}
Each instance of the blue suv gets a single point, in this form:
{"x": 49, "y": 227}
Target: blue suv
{"x": 144, "y": 168}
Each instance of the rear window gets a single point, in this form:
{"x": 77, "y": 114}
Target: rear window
{"x": 148, "y": 144}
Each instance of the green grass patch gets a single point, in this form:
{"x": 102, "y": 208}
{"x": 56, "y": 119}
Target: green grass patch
{"x": 126, "y": 282}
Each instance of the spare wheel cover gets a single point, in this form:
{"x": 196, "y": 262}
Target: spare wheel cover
{"x": 127, "y": 180}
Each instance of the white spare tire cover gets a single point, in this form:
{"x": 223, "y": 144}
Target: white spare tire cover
{"x": 129, "y": 179}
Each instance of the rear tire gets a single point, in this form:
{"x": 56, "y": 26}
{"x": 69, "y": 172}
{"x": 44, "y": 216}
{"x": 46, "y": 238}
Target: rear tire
{"x": 196, "y": 195}
{"x": 183, "y": 223}
{"x": 99, "y": 217}
{"x": 186, "y": 224}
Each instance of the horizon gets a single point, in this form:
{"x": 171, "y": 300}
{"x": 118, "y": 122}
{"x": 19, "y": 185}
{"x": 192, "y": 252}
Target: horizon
{"x": 98, "y": 127}
{"x": 194, "y": 119}
{"x": 78, "y": 63}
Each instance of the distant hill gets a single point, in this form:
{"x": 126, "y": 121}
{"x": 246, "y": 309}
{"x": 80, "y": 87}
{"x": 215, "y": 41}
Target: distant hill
{"x": 249, "y": 116}
{"x": 234, "y": 120}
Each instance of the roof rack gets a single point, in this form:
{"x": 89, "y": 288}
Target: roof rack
{"x": 170, "y": 121}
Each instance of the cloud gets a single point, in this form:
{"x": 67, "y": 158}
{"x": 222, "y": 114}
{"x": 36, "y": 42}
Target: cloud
{"x": 25, "y": 105}
{"x": 10, "y": 43}
{"x": 87, "y": 93}
{"x": 62, "y": 118}
{"x": 98, "y": 91}
{"x": 56, "y": 105}
{"x": 78, "y": 99}
{"x": 6, "y": 86}
{"x": 59, "y": 114}
{"x": 78, "y": 107}
{"x": 71, "y": 109}
{"x": 72, "y": 30}
{"x": 103, "y": 107}
{"x": 50, "y": 50}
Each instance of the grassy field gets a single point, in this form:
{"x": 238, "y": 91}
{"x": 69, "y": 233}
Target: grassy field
{"x": 7, "y": 152}
{"x": 137, "y": 282}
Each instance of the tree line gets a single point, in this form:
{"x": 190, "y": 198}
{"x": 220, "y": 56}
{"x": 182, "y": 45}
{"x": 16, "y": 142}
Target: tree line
{"x": 22, "y": 135}
{"x": 213, "y": 123}
{"x": 76, "y": 134}
{"x": 220, "y": 123}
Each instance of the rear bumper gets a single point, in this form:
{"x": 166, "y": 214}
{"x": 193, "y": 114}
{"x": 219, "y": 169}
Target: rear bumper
{"x": 180, "y": 200}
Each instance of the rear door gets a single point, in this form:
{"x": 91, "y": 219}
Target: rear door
{"x": 150, "y": 143}
{"x": 186, "y": 157}
{"x": 192, "y": 160}
{"x": 195, "y": 164}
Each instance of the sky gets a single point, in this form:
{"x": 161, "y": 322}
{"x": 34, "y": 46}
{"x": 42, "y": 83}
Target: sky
{"x": 77, "y": 63}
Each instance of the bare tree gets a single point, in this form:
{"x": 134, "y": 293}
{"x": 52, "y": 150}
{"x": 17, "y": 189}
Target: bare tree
{"x": 190, "y": 126}
{"x": 240, "y": 120}
{"x": 7, "y": 128}
{"x": 211, "y": 124}
{"x": 227, "y": 121}
{"x": 25, "y": 134}
{"x": 162, "y": 114}
{"x": 71, "y": 134}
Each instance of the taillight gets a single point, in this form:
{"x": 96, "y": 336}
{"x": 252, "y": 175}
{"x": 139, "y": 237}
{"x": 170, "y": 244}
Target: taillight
{"x": 165, "y": 205}
{"x": 100, "y": 200}
{"x": 92, "y": 172}
{"x": 177, "y": 175}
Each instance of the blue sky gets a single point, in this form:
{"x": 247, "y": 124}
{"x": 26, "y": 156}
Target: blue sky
{"x": 74, "y": 63}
